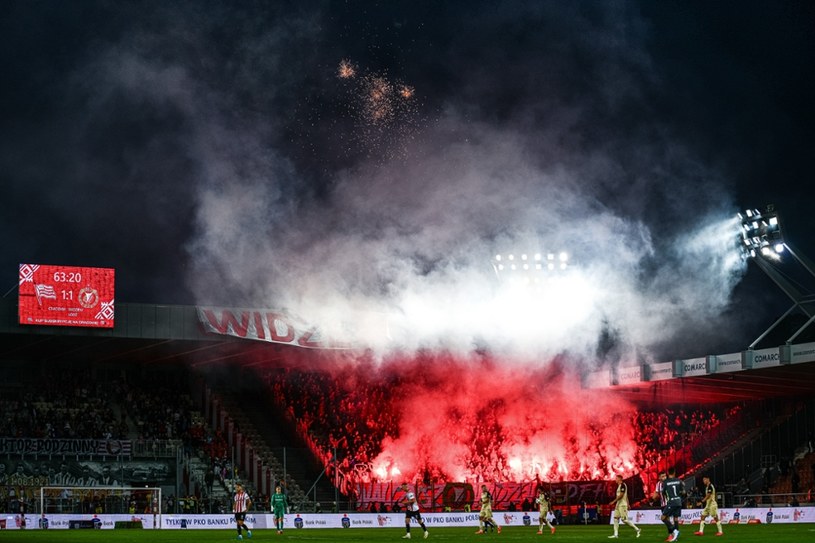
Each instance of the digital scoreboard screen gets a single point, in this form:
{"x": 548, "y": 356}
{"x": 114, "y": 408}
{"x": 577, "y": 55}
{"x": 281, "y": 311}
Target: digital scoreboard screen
{"x": 66, "y": 296}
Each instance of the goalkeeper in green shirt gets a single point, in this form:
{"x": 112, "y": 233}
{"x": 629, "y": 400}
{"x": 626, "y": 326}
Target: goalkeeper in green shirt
{"x": 279, "y": 504}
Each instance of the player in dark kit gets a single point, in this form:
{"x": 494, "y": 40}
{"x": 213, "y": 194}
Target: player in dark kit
{"x": 672, "y": 489}
{"x": 279, "y": 504}
{"x": 659, "y": 492}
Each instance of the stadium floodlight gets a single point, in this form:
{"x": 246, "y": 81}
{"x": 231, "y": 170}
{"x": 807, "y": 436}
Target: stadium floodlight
{"x": 760, "y": 233}
{"x": 526, "y": 266}
{"x": 761, "y": 241}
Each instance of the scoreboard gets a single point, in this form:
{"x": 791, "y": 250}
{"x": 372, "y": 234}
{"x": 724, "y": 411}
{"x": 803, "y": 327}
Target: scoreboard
{"x": 66, "y": 296}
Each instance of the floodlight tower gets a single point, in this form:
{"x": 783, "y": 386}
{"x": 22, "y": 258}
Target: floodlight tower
{"x": 762, "y": 241}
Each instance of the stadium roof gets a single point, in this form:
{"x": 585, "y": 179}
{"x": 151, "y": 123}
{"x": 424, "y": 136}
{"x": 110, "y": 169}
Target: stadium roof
{"x": 146, "y": 333}
{"x": 783, "y": 381}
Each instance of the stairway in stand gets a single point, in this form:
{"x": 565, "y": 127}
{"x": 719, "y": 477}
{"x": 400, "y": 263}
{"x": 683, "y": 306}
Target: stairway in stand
{"x": 270, "y": 432}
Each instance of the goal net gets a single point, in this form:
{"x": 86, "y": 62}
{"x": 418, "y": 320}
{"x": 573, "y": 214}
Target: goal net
{"x": 137, "y": 502}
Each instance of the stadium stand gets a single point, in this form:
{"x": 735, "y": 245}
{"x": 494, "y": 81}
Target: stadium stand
{"x": 180, "y": 422}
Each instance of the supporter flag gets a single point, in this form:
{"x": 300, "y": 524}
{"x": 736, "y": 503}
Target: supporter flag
{"x": 44, "y": 291}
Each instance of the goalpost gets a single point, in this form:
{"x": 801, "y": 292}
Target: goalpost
{"x": 89, "y": 501}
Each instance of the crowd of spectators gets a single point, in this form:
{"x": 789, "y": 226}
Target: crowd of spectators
{"x": 344, "y": 421}
{"x": 65, "y": 406}
{"x": 158, "y": 410}
{"x": 350, "y": 417}
{"x": 662, "y": 433}
{"x": 792, "y": 474}
{"x": 71, "y": 405}
{"x": 126, "y": 405}
{"x": 346, "y": 417}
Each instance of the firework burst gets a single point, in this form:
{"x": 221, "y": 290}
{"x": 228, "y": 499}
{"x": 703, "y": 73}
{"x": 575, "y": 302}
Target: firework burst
{"x": 406, "y": 92}
{"x": 384, "y": 111}
{"x": 346, "y": 70}
{"x": 378, "y": 100}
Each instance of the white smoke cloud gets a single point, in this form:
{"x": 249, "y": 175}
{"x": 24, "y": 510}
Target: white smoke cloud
{"x": 397, "y": 249}
{"x": 413, "y": 241}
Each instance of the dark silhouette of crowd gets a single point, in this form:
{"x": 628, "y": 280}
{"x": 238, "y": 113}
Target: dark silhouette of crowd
{"x": 662, "y": 433}
{"x": 80, "y": 403}
{"x": 321, "y": 407}
{"x": 73, "y": 405}
{"x": 65, "y": 406}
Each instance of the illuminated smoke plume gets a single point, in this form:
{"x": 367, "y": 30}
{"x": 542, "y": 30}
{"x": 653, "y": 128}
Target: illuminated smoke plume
{"x": 393, "y": 251}
{"x": 399, "y": 254}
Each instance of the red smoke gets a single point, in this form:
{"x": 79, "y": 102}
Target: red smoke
{"x": 456, "y": 418}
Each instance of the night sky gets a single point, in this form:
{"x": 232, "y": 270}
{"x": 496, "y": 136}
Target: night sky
{"x": 213, "y": 152}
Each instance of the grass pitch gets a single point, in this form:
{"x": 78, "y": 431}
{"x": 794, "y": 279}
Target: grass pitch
{"x": 776, "y": 533}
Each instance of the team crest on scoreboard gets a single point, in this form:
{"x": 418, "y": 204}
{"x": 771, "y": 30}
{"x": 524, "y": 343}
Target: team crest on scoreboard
{"x": 88, "y": 297}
